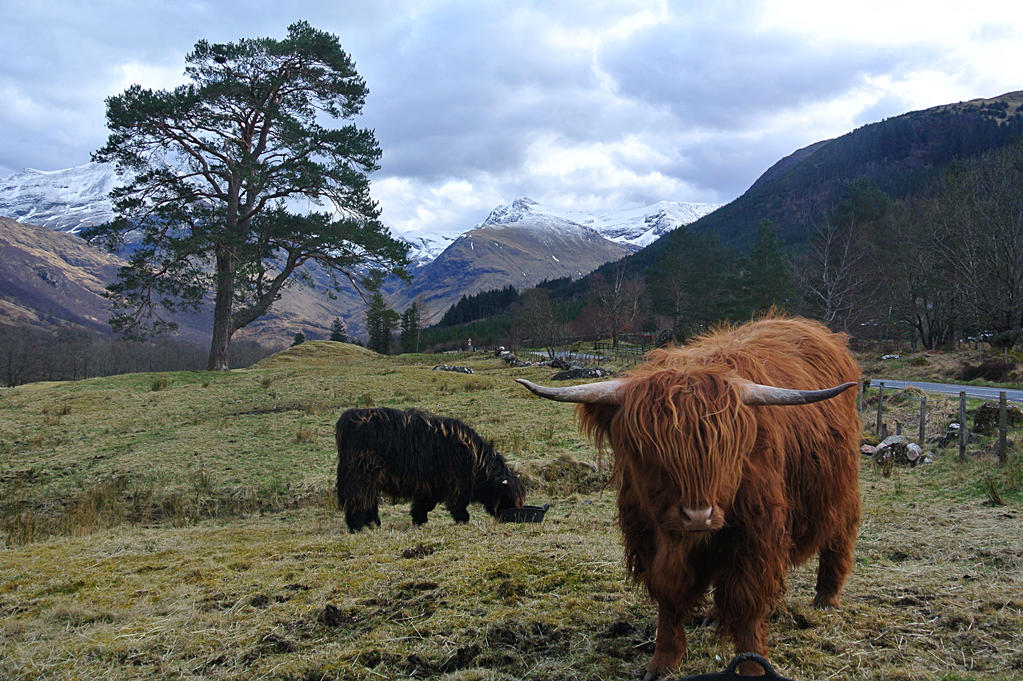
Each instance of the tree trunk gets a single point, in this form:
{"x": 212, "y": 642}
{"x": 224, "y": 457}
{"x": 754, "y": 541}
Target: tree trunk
{"x": 222, "y": 330}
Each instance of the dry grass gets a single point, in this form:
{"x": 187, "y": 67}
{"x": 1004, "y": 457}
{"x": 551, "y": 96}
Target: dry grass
{"x": 941, "y": 366}
{"x": 189, "y": 532}
{"x": 316, "y": 353}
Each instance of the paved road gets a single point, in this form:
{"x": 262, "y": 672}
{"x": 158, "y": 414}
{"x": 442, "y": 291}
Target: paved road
{"x": 950, "y": 389}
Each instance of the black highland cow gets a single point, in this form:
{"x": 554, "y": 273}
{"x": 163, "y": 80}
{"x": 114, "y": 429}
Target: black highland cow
{"x": 413, "y": 455}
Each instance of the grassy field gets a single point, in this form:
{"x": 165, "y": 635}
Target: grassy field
{"x": 181, "y": 526}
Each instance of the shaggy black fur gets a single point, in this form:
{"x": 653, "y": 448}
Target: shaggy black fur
{"x": 414, "y": 455}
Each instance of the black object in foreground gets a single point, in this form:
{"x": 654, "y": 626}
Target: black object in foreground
{"x": 730, "y": 673}
{"x": 523, "y": 514}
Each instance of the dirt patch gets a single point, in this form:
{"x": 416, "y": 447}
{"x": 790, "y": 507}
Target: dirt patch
{"x": 271, "y": 644}
{"x": 332, "y": 616}
{"x": 535, "y": 638}
{"x": 625, "y": 641}
{"x": 419, "y": 551}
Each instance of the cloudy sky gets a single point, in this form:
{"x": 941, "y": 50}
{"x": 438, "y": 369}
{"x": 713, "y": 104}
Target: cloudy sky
{"x": 594, "y": 104}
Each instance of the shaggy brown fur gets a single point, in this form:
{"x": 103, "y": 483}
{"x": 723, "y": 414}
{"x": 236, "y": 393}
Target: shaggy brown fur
{"x": 413, "y": 455}
{"x": 781, "y": 480}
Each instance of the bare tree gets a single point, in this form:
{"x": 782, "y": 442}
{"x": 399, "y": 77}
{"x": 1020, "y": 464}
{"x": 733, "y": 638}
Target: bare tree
{"x": 538, "y": 318}
{"x": 834, "y": 275}
{"x": 916, "y": 288}
{"x": 18, "y": 355}
{"x": 619, "y": 299}
{"x": 981, "y": 239}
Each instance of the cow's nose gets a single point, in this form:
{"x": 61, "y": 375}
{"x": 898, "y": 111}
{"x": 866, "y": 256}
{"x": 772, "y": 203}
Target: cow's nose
{"x": 697, "y": 519}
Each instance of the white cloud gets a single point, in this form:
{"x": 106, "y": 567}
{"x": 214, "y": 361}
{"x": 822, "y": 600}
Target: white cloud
{"x": 412, "y": 205}
{"x": 883, "y": 22}
{"x": 577, "y": 101}
{"x": 150, "y": 76}
{"x": 576, "y": 175}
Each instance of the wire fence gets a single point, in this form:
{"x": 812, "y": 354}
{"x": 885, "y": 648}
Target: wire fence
{"x": 998, "y": 419}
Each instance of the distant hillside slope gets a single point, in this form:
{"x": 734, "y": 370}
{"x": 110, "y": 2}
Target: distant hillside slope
{"x": 49, "y": 279}
{"x": 577, "y": 241}
{"x": 897, "y": 154}
{"x": 521, "y": 254}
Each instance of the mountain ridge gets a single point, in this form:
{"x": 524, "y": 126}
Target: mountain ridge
{"x": 536, "y": 243}
{"x": 897, "y": 154}
{"x": 71, "y": 199}
{"x": 496, "y": 255}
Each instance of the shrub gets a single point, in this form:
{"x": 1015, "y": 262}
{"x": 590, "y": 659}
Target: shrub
{"x": 61, "y": 409}
{"x": 990, "y": 370}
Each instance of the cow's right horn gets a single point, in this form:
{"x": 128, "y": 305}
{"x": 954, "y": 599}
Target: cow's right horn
{"x": 602, "y": 392}
{"x": 756, "y": 394}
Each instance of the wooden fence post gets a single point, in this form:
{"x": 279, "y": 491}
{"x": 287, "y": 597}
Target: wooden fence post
{"x": 923, "y": 419}
{"x": 880, "y": 404}
{"x": 962, "y": 426}
{"x": 1003, "y": 427}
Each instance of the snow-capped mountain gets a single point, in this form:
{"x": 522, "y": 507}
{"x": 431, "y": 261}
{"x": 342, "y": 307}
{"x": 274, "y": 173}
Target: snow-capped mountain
{"x": 65, "y": 200}
{"x": 635, "y": 227}
{"x": 523, "y": 242}
{"x": 71, "y": 199}
{"x": 515, "y": 245}
{"x": 425, "y": 245}
{"x": 640, "y": 227}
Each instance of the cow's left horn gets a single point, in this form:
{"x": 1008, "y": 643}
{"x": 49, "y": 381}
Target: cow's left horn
{"x": 602, "y": 392}
{"x": 756, "y": 394}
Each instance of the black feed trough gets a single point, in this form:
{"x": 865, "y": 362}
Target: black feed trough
{"x": 731, "y": 672}
{"x": 524, "y": 514}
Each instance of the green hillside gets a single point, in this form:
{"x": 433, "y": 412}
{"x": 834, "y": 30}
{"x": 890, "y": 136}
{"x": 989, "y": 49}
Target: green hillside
{"x": 897, "y": 154}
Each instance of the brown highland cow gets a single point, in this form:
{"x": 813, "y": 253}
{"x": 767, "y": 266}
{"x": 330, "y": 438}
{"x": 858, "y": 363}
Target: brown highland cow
{"x": 734, "y": 459}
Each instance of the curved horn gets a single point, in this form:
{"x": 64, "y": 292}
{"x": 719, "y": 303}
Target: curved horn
{"x": 756, "y": 394}
{"x": 602, "y": 392}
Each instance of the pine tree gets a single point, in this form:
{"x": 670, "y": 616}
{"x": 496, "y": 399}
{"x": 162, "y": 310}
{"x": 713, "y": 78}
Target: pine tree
{"x": 688, "y": 283}
{"x": 380, "y": 318}
{"x": 338, "y": 332}
{"x": 210, "y": 166}
{"x": 410, "y": 327}
{"x": 766, "y": 278}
